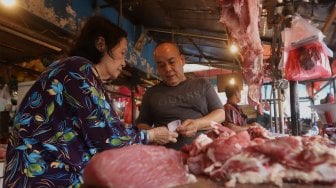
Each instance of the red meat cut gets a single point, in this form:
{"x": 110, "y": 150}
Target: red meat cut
{"x": 136, "y": 166}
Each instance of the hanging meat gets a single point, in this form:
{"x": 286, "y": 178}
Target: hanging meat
{"x": 241, "y": 18}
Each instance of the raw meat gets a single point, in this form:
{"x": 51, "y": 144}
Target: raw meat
{"x": 223, "y": 149}
{"x": 235, "y": 158}
{"x": 241, "y": 18}
{"x": 137, "y": 166}
{"x": 218, "y": 130}
{"x": 258, "y": 132}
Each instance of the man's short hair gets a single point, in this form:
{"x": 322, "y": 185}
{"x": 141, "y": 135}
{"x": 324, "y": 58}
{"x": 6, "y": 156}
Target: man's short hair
{"x": 168, "y": 42}
{"x": 230, "y": 90}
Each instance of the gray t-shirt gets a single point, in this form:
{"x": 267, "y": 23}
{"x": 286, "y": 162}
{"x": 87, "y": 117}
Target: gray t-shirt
{"x": 193, "y": 98}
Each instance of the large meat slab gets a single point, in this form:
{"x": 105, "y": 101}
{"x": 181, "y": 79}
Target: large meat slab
{"x": 137, "y": 166}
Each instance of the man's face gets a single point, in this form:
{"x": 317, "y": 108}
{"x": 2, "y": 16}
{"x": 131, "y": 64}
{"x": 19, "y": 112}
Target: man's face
{"x": 170, "y": 64}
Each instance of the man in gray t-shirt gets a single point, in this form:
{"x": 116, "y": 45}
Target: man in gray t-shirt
{"x": 193, "y": 101}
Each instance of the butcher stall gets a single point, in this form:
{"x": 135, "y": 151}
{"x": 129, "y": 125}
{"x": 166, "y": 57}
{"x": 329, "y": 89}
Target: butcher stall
{"x": 283, "y": 49}
{"x": 258, "y": 157}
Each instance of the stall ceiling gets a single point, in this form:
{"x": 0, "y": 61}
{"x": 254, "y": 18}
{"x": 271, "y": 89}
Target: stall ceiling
{"x": 25, "y": 37}
{"x": 195, "y": 26}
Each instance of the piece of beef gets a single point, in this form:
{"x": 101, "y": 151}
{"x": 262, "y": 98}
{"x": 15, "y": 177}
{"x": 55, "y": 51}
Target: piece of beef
{"x": 241, "y": 18}
{"x": 282, "y": 149}
{"x": 219, "y": 131}
{"x": 258, "y": 132}
{"x": 223, "y": 148}
{"x": 136, "y": 166}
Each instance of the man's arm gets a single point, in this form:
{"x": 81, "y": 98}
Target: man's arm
{"x": 189, "y": 127}
{"x": 214, "y": 106}
{"x": 217, "y": 115}
{"x": 236, "y": 128}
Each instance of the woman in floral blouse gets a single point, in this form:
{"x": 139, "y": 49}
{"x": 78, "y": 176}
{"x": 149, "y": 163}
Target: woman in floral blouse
{"x": 66, "y": 117}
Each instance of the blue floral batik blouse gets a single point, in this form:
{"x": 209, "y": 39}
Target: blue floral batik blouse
{"x": 64, "y": 119}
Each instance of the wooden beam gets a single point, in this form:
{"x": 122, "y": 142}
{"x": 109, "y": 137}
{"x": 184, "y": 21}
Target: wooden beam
{"x": 199, "y": 50}
{"x": 182, "y": 33}
{"x": 330, "y": 20}
{"x": 205, "y": 57}
{"x": 21, "y": 68}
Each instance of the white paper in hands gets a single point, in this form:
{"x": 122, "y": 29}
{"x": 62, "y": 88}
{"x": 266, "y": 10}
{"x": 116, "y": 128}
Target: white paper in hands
{"x": 172, "y": 126}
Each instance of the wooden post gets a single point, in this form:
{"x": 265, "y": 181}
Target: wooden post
{"x": 294, "y": 103}
{"x": 276, "y": 129}
{"x": 334, "y": 85}
{"x": 330, "y": 20}
{"x": 280, "y": 107}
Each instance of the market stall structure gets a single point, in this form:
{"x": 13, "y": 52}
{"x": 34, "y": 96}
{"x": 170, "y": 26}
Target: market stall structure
{"x": 37, "y": 32}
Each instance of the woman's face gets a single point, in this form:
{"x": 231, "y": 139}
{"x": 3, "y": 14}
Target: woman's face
{"x": 113, "y": 62}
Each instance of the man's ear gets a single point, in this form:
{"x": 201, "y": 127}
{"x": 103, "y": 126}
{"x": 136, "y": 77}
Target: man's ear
{"x": 100, "y": 44}
{"x": 182, "y": 59}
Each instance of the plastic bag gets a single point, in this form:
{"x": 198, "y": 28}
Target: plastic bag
{"x": 307, "y": 62}
{"x": 301, "y": 32}
{"x": 305, "y": 55}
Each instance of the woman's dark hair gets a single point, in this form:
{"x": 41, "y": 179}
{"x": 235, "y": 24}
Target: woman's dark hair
{"x": 230, "y": 90}
{"x": 96, "y": 26}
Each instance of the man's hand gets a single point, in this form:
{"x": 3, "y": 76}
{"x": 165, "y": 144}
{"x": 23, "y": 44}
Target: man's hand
{"x": 188, "y": 128}
{"x": 161, "y": 135}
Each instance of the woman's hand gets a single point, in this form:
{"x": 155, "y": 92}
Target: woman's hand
{"x": 161, "y": 135}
